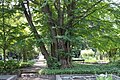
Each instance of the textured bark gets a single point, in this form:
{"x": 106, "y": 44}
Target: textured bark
{"x": 65, "y": 62}
{"x": 53, "y": 31}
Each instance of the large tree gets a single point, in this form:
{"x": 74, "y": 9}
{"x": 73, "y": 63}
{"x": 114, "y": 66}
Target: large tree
{"x": 61, "y": 21}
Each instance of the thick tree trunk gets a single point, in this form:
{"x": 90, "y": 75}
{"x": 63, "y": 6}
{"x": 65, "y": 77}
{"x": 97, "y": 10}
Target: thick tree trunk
{"x": 64, "y": 55}
{"x": 65, "y": 62}
{"x": 53, "y": 30}
{"x": 54, "y": 44}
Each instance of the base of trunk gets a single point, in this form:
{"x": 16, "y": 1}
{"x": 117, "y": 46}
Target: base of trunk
{"x": 54, "y": 63}
{"x": 65, "y": 63}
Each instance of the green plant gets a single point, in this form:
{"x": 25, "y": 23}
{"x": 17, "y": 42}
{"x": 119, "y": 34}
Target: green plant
{"x": 25, "y": 64}
{"x": 104, "y": 77}
{"x": 53, "y": 63}
{"x": 12, "y": 64}
{"x": 1, "y": 66}
{"x": 84, "y": 69}
{"x": 9, "y": 67}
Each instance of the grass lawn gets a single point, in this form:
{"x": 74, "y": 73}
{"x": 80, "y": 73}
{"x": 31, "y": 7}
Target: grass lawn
{"x": 85, "y": 69}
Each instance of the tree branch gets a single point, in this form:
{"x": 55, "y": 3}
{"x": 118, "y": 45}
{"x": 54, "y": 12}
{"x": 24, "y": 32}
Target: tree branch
{"x": 34, "y": 1}
{"x": 89, "y": 9}
{"x": 56, "y": 6}
{"x": 83, "y": 17}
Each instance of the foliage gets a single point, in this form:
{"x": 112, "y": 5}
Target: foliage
{"x": 64, "y": 22}
{"x": 63, "y": 54}
{"x": 9, "y": 67}
{"x": 12, "y": 66}
{"x": 53, "y": 63}
{"x": 104, "y": 77}
{"x": 117, "y": 63}
{"x": 59, "y": 24}
{"x": 85, "y": 69}
{"x": 1, "y": 66}
{"x": 15, "y": 35}
{"x": 26, "y": 64}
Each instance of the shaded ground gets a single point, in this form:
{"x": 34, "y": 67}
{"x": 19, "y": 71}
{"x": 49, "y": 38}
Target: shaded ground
{"x": 31, "y": 73}
{"x": 35, "y": 68}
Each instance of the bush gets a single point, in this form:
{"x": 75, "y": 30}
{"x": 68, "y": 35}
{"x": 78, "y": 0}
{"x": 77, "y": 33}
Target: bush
{"x": 1, "y": 66}
{"x": 104, "y": 77}
{"x": 12, "y": 66}
{"x": 9, "y": 67}
{"x": 25, "y": 64}
{"x": 53, "y": 63}
{"x": 118, "y": 63}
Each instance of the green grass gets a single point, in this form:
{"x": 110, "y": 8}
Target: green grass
{"x": 85, "y": 69}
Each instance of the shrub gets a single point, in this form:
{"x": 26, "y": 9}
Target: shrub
{"x": 104, "y": 77}
{"x": 53, "y": 63}
{"x": 25, "y": 64}
{"x": 9, "y": 67}
{"x": 1, "y": 66}
{"x": 12, "y": 66}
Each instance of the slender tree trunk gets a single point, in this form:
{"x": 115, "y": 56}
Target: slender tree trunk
{"x": 4, "y": 54}
{"x": 4, "y": 33}
{"x": 37, "y": 36}
{"x": 24, "y": 55}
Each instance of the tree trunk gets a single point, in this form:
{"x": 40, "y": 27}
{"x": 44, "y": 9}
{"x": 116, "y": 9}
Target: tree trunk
{"x": 37, "y": 36}
{"x": 65, "y": 62}
{"x": 4, "y": 55}
{"x": 24, "y": 55}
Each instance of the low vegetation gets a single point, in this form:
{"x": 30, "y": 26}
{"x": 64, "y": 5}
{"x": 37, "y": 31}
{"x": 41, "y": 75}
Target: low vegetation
{"x": 113, "y": 68}
{"x": 26, "y": 64}
{"x": 104, "y": 77}
{"x": 12, "y": 66}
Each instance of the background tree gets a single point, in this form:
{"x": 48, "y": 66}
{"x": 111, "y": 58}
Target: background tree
{"x": 6, "y": 29}
{"x": 13, "y": 30}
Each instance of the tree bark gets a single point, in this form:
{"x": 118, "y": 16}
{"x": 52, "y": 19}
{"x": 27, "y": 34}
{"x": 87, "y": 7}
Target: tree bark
{"x": 53, "y": 31}
{"x": 65, "y": 62}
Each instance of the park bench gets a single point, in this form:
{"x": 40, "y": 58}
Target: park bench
{"x": 78, "y": 59}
